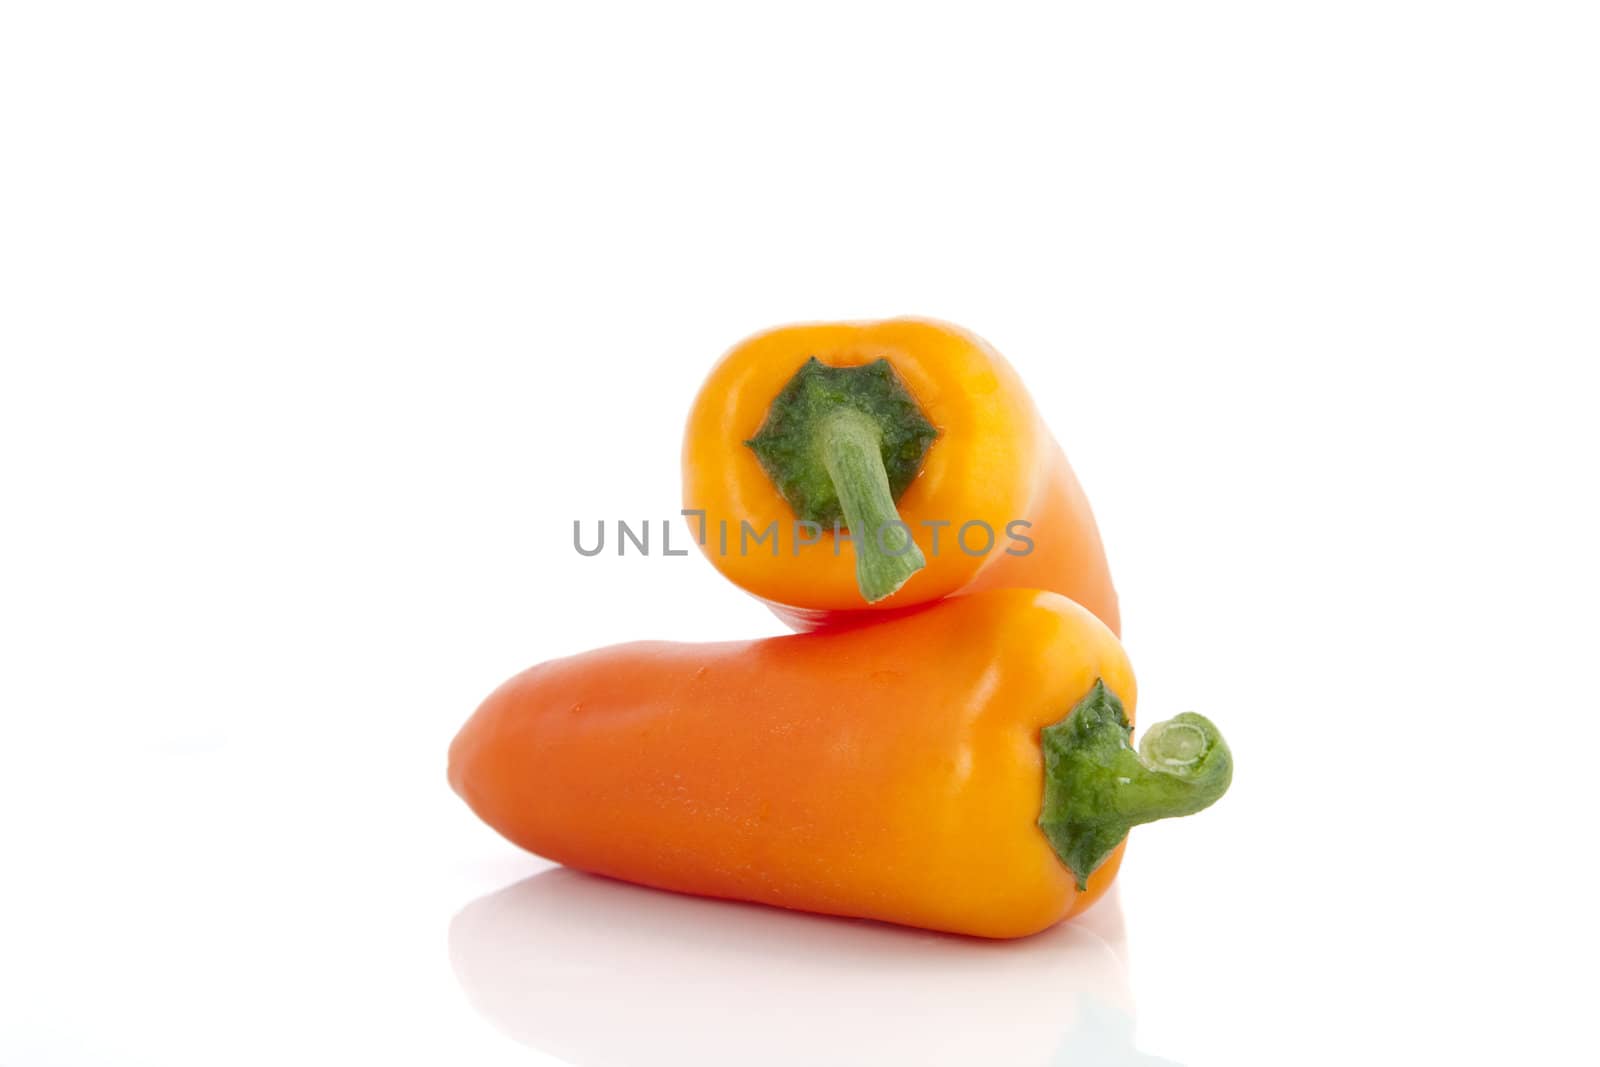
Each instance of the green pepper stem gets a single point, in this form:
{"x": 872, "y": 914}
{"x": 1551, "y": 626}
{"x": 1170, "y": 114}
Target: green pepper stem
{"x": 1097, "y": 787}
{"x": 886, "y": 554}
{"x": 842, "y": 443}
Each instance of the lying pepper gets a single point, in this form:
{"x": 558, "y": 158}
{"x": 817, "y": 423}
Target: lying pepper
{"x": 858, "y": 467}
{"x": 963, "y": 768}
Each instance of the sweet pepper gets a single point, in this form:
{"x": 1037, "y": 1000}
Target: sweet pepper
{"x": 845, "y": 469}
{"x": 964, "y": 768}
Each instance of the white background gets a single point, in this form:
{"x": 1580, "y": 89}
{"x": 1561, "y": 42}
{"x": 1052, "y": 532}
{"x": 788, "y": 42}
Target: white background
{"x": 321, "y": 322}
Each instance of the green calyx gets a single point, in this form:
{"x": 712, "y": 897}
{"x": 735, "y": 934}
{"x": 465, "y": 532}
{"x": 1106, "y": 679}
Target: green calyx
{"x": 841, "y": 444}
{"x": 1097, "y": 787}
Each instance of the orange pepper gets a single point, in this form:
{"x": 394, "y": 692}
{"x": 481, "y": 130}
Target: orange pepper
{"x": 986, "y": 458}
{"x": 963, "y": 768}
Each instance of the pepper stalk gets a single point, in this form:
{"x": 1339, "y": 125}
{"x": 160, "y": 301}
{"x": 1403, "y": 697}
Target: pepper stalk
{"x": 842, "y": 444}
{"x": 1098, "y": 787}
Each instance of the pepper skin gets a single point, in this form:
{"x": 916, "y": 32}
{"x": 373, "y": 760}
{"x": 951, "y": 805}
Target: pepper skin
{"x": 891, "y": 772}
{"x": 993, "y": 461}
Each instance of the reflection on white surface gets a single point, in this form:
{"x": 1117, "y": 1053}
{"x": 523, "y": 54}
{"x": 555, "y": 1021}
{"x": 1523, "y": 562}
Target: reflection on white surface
{"x": 607, "y": 974}
{"x": 1102, "y": 1035}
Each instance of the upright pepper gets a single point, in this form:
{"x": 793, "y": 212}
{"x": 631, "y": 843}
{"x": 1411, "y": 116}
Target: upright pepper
{"x": 963, "y": 768}
{"x": 838, "y": 470}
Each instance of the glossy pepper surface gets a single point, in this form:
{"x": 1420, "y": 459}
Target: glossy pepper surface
{"x": 963, "y": 768}
{"x": 853, "y": 427}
